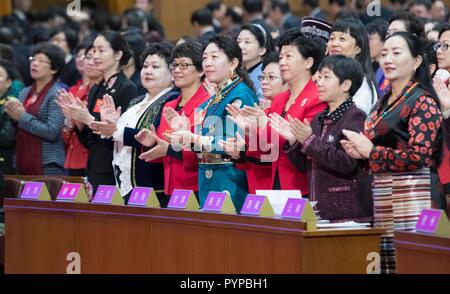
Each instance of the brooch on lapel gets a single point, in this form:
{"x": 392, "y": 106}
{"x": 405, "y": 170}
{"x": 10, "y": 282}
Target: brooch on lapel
{"x": 237, "y": 103}
{"x": 330, "y": 139}
{"x": 304, "y": 102}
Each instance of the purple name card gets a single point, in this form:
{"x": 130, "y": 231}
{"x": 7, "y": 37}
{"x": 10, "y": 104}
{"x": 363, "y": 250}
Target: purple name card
{"x": 140, "y": 196}
{"x": 68, "y": 192}
{"x": 253, "y": 204}
{"x": 179, "y": 198}
{"x": 428, "y": 221}
{"x": 214, "y": 201}
{"x": 104, "y": 194}
{"x": 294, "y": 208}
{"x": 31, "y": 190}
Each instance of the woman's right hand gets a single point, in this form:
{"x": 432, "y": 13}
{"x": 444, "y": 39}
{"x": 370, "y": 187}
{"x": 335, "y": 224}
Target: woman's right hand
{"x": 108, "y": 111}
{"x": 176, "y": 121}
{"x": 145, "y": 138}
{"x": 209, "y": 87}
{"x": 73, "y": 108}
{"x": 443, "y": 93}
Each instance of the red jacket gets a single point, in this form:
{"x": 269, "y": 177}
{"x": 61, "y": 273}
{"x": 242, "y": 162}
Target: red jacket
{"x": 76, "y": 153}
{"x": 306, "y": 106}
{"x": 182, "y": 174}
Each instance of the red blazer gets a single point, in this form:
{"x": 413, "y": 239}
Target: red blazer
{"x": 259, "y": 177}
{"x": 182, "y": 174}
{"x": 76, "y": 153}
{"x": 306, "y": 106}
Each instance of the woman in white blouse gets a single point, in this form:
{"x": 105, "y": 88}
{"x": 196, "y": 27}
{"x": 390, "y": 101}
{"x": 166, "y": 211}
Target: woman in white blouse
{"x": 143, "y": 111}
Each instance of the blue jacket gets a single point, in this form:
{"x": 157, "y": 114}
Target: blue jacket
{"x": 215, "y": 123}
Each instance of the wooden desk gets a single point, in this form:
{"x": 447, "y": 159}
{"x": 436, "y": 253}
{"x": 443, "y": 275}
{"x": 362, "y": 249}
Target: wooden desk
{"x": 118, "y": 239}
{"x": 422, "y": 254}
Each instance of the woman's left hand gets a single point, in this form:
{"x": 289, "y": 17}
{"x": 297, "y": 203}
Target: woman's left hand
{"x": 15, "y": 109}
{"x": 158, "y": 151}
{"x": 108, "y": 111}
{"x": 106, "y": 129}
{"x": 360, "y": 143}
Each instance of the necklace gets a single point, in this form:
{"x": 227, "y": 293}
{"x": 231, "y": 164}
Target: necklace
{"x": 375, "y": 120}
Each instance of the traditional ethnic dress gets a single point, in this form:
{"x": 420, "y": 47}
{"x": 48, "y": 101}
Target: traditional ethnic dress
{"x": 406, "y": 138}
{"x": 216, "y": 170}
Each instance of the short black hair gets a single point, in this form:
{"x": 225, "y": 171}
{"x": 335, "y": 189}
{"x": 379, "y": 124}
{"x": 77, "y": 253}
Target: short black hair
{"x": 10, "y": 69}
{"x": 136, "y": 43}
{"x": 426, "y": 3}
{"x": 252, "y": 6}
{"x": 378, "y": 26}
{"x": 202, "y": 16}
{"x": 163, "y": 50}
{"x": 192, "y": 50}
{"x": 237, "y": 19}
{"x": 280, "y": 4}
{"x": 272, "y": 57}
{"x": 135, "y": 18}
{"x": 341, "y": 3}
{"x": 6, "y": 52}
{"x": 345, "y": 68}
{"x": 71, "y": 37}
{"x": 311, "y": 3}
{"x": 214, "y": 5}
{"x": 443, "y": 29}
{"x": 308, "y": 46}
{"x": 413, "y": 24}
{"x": 55, "y": 55}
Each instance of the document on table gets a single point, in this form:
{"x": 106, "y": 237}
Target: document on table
{"x": 349, "y": 224}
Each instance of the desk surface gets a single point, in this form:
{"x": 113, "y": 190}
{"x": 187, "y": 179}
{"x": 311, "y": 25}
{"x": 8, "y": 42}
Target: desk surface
{"x": 419, "y": 253}
{"x": 123, "y": 239}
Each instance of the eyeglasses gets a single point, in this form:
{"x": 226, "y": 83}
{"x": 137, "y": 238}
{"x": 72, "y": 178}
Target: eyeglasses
{"x": 38, "y": 61}
{"x": 442, "y": 46}
{"x": 182, "y": 66}
{"x": 270, "y": 78}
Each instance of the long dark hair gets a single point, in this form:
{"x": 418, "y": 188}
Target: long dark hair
{"x": 416, "y": 48}
{"x": 232, "y": 50}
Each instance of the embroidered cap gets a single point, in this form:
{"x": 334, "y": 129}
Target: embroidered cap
{"x": 316, "y": 27}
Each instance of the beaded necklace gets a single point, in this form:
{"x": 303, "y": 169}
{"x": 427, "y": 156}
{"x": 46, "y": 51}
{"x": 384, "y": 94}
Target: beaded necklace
{"x": 375, "y": 120}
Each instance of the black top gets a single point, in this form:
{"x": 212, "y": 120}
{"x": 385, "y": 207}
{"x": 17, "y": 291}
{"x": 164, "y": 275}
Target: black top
{"x": 101, "y": 150}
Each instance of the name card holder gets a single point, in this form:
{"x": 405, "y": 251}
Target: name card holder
{"x": 72, "y": 193}
{"x": 300, "y": 209}
{"x": 108, "y": 195}
{"x": 35, "y": 191}
{"x": 183, "y": 199}
{"x": 434, "y": 222}
{"x": 257, "y": 205}
{"x": 219, "y": 202}
{"x": 143, "y": 196}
